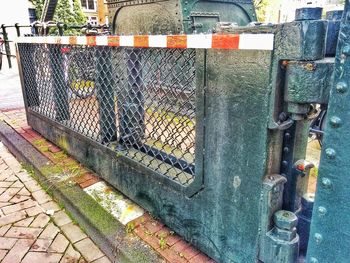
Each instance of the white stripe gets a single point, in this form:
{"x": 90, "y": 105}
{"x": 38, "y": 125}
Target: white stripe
{"x": 199, "y": 41}
{"x": 81, "y": 40}
{"x": 21, "y": 39}
{"x": 65, "y": 40}
{"x": 157, "y": 41}
{"x": 126, "y": 41}
{"x": 101, "y": 41}
{"x": 256, "y": 41}
{"x": 50, "y": 40}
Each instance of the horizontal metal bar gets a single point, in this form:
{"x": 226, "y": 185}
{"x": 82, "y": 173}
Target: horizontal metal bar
{"x": 167, "y": 158}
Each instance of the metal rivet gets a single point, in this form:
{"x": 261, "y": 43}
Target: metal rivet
{"x": 322, "y": 211}
{"x": 330, "y": 153}
{"x": 286, "y": 149}
{"x": 335, "y": 122}
{"x": 318, "y": 238}
{"x": 285, "y": 163}
{"x": 313, "y": 260}
{"x": 287, "y": 135}
{"x": 346, "y": 50}
{"x": 326, "y": 183}
{"x": 341, "y": 87}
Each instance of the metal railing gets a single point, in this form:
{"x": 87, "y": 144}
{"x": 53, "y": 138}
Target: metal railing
{"x": 45, "y": 28}
{"x": 139, "y": 102}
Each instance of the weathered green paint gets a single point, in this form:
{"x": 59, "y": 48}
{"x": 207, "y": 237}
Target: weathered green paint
{"x": 188, "y": 16}
{"x": 330, "y": 232}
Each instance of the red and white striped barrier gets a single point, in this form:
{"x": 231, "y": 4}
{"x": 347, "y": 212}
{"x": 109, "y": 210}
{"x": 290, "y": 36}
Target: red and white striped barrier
{"x": 208, "y": 41}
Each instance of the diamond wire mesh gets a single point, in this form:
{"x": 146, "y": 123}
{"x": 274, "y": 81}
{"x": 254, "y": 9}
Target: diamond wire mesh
{"x": 139, "y": 102}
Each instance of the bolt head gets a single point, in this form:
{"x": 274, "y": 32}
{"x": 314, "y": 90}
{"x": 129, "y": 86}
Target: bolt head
{"x": 313, "y": 260}
{"x": 346, "y": 50}
{"x": 335, "y": 122}
{"x": 322, "y": 211}
{"x": 285, "y": 219}
{"x": 326, "y": 183}
{"x": 318, "y": 238}
{"x": 341, "y": 87}
{"x": 330, "y": 153}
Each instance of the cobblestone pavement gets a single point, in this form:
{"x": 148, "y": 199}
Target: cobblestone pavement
{"x": 33, "y": 228}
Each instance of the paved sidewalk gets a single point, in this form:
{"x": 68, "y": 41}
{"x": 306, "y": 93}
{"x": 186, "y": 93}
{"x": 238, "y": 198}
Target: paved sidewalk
{"x": 33, "y": 228}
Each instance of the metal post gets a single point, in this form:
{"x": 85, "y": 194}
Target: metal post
{"x": 132, "y": 111}
{"x": 329, "y": 236}
{"x": 60, "y": 27}
{"x": 59, "y": 84}
{"x": 7, "y": 46}
{"x": 105, "y": 94}
{"x": 18, "y": 30}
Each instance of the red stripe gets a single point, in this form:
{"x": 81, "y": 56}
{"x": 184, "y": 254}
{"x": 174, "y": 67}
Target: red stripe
{"x": 177, "y": 41}
{"x": 113, "y": 41}
{"x": 72, "y": 40}
{"x": 225, "y": 41}
{"x": 141, "y": 41}
{"x": 91, "y": 40}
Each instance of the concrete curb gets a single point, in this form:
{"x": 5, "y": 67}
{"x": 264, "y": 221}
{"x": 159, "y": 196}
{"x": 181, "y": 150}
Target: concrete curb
{"x": 115, "y": 242}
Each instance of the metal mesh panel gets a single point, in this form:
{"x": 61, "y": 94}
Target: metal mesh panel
{"x": 139, "y": 102}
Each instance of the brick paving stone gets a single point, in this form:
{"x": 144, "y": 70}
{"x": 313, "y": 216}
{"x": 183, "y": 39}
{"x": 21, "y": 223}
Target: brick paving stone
{"x": 41, "y": 196}
{"x": 2, "y": 254}
{"x": 2, "y": 190}
{"x": 5, "y": 184}
{"x": 88, "y": 249}
{"x": 9, "y": 219}
{"x": 40, "y": 221}
{"x": 19, "y": 198}
{"x": 24, "y": 176}
{"x": 41, "y": 245}
{"x": 61, "y": 218}
{"x": 71, "y": 255}
{"x": 42, "y": 257}
{"x": 102, "y": 260}
{"x": 8, "y": 194}
{"x": 2, "y": 204}
{"x": 18, "y": 251}
{"x": 54, "y": 149}
{"x": 190, "y": 252}
{"x": 33, "y": 211}
{"x": 73, "y": 232}
{"x": 89, "y": 182}
{"x": 4, "y": 229}
{"x": 180, "y": 246}
{"x": 32, "y": 185}
{"x": 7, "y": 242}
{"x": 24, "y": 191}
{"x": 12, "y": 178}
{"x": 60, "y": 244}
{"x": 50, "y": 206}
{"x": 23, "y": 232}
{"x": 49, "y": 232}
{"x": 17, "y": 184}
{"x": 17, "y": 207}
{"x": 25, "y": 222}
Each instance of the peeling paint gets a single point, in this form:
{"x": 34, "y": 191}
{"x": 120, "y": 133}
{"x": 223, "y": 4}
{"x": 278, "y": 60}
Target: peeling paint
{"x": 236, "y": 182}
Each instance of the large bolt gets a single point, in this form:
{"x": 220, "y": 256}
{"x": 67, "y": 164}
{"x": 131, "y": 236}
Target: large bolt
{"x": 285, "y": 220}
{"x": 341, "y": 87}
{"x": 330, "y": 153}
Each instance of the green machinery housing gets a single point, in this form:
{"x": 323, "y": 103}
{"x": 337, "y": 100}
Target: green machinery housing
{"x": 241, "y": 193}
{"x": 176, "y": 16}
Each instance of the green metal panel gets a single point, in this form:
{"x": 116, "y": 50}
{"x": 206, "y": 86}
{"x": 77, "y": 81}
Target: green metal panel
{"x": 330, "y": 232}
{"x": 174, "y": 17}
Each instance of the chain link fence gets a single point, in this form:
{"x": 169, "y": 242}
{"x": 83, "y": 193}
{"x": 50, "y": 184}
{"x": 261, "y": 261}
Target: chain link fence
{"x": 138, "y": 102}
